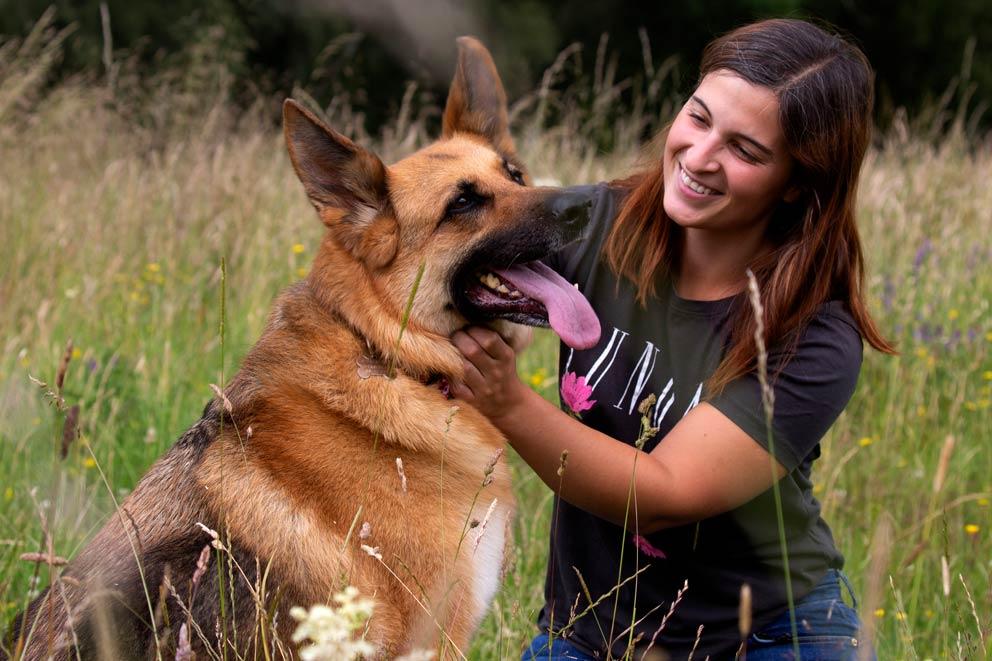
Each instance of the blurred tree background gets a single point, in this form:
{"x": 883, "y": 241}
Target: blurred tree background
{"x": 928, "y": 54}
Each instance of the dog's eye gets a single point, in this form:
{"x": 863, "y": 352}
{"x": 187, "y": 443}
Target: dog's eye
{"x": 461, "y": 204}
{"x": 515, "y": 174}
{"x": 464, "y": 202}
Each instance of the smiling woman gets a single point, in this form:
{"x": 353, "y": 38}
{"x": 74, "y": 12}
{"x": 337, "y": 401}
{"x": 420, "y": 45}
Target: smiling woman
{"x": 678, "y": 488}
{"x": 726, "y": 162}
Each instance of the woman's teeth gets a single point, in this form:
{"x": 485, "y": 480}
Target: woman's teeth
{"x": 694, "y": 185}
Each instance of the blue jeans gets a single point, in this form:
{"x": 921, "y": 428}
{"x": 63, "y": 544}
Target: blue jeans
{"x": 827, "y": 628}
{"x": 559, "y": 650}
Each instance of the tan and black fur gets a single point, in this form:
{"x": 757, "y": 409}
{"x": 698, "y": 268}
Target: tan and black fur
{"x": 302, "y": 449}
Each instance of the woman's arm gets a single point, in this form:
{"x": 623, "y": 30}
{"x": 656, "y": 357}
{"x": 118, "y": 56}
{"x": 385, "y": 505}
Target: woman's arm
{"x": 706, "y": 465}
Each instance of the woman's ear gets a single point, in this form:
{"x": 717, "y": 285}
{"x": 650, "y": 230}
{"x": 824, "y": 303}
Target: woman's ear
{"x": 793, "y": 193}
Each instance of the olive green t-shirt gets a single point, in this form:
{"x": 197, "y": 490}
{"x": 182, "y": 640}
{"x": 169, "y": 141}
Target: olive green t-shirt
{"x": 669, "y": 348}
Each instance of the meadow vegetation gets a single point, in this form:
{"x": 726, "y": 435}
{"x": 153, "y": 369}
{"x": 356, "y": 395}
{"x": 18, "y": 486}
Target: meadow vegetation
{"x": 119, "y": 202}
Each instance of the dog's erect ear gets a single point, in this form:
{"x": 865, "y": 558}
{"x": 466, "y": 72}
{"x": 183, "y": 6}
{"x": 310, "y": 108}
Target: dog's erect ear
{"x": 476, "y": 100}
{"x": 345, "y": 183}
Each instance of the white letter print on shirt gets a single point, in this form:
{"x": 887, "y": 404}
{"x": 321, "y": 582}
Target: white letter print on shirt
{"x": 638, "y": 379}
{"x": 607, "y": 356}
{"x": 642, "y": 372}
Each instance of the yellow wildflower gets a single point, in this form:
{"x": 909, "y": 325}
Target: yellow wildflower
{"x": 301, "y": 272}
{"x": 879, "y": 612}
{"x": 818, "y": 489}
{"x": 89, "y": 462}
{"x": 987, "y": 375}
{"x": 153, "y": 267}
{"x": 8, "y": 494}
{"x": 928, "y": 613}
{"x": 921, "y": 411}
{"x": 537, "y": 378}
{"x": 298, "y": 248}
{"x": 988, "y": 336}
{"x": 971, "y": 406}
{"x": 921, "y": 352}
{"x": 972, "y": 528}
{"x": 76, "y": 353}
{"x": 865, "y": 441}
{"x": 931, "y": 361}
{"x": 900, "y": 616}
{"x": 983, "y": 502}
{"x": 953, "y": 314}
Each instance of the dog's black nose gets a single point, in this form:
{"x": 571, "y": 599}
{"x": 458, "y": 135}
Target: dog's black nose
{"x": 572, "y": 205}
{"x": 571, "y": 209}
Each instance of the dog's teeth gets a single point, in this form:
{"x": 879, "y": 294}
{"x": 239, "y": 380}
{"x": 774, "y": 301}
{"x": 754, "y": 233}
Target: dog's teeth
{"x": 516, "y": 294}
{"x": 502, "y": 289}
{"x": 575, "y": 284}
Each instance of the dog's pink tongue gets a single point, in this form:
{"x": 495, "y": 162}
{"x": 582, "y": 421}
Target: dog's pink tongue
{"x": 569, "y": 312}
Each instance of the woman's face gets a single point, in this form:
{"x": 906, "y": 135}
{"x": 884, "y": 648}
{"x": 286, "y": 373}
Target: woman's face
{"x": 726, "y": 161}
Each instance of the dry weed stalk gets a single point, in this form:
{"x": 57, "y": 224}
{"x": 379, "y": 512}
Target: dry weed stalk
{"x": 974, "y": 613}
{"x": 881, "y": 549}
{"x": 695, "y": 644}
{"x": 744, "y": 614}
{"x": 401, "y": 473}
{"x": 668, "y": 615}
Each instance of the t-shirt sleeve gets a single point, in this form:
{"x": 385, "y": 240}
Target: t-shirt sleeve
{"x": 812, "y": 383}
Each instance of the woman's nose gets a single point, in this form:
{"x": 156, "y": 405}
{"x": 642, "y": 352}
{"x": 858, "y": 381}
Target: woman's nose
{"x": 701, "y": 155}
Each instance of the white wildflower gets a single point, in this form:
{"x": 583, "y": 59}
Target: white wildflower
{"x": 418, "y": 655}
{"x": 331, "y": 630}
{"x": 372, "y": 551}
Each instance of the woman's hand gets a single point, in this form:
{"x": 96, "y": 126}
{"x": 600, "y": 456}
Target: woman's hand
{"x": 491, "y": 383}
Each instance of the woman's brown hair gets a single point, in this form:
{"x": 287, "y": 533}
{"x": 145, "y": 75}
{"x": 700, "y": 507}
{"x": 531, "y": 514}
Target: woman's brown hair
{"x": 824, "y": 88}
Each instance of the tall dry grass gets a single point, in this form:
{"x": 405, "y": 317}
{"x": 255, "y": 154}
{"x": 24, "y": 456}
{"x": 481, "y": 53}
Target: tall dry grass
{"x": 117, "y": 206}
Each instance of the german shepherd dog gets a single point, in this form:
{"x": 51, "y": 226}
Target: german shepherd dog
{"x": 334, "y": 456}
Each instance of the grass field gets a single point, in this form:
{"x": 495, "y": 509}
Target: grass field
{"x": 115, "y": 215}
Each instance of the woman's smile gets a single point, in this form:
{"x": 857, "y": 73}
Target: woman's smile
{"x": 693, "y": 188}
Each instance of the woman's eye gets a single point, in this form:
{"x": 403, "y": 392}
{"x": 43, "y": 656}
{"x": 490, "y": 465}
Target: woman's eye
{"x": 698, "y": 119}
{"x": 746, "y": 155}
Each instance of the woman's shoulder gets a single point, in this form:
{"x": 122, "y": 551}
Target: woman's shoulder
{"x": 830, "y": 339}
{"x": 835, "y": 317}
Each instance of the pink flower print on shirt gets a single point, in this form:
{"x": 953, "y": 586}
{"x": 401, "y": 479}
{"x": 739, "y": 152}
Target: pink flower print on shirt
{"x": 647, "y": 548}
{"x": 575, "y": 393}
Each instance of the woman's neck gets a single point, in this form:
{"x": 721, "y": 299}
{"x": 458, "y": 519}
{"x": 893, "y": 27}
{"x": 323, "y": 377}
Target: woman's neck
{"x": 714, "y": 263}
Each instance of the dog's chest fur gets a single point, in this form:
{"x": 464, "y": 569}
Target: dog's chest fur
{"x": 328, "y": 438}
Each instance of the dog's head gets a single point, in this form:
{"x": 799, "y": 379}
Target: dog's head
{"x": 459, "y": 214}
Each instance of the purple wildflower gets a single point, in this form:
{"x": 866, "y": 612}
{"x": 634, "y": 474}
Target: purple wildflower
{"x": 647, "y": 548}
{"x": 921, "y": 254}
{"x": 888, "y": 293}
